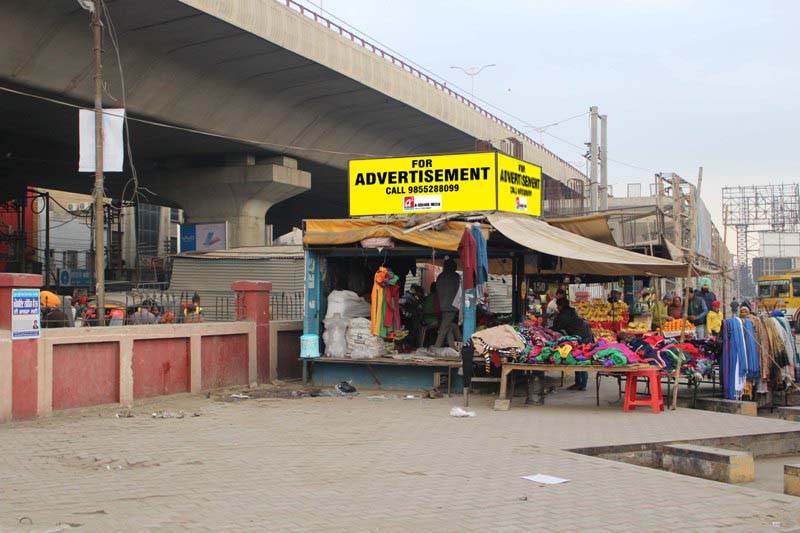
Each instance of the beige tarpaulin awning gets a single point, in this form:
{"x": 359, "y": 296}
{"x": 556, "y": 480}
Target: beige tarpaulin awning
{"x": 593, "y": 227}
{"x": 581, "y": 255}
{"x": 349, "y": 231}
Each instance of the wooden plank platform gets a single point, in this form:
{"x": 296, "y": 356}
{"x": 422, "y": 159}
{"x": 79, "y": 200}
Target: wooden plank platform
{"x": 451, "y": 363}
{"x": 448, "y": 364}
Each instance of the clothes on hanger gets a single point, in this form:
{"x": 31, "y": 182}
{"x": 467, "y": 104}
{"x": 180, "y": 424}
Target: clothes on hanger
{"x": 467, "y": 250}
{"x": 385, "y": 304}
{"x": 481, "y": 258}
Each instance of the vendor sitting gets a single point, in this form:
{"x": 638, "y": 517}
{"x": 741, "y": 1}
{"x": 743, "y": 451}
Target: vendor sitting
{"x": 570, "y": 323}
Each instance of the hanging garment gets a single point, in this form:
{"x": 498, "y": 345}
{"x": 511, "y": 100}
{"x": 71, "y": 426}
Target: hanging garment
{"x": 753, "y": 356}
{"x": 787, "y": 338}
{"x": 391, "y": 321}
{"x": 482, "y": 258}
{"x": 467, "y": 249}
{"x": 765, "y": 349}
{"x": 734, "y": 358}
{"x": 377, "y": 304}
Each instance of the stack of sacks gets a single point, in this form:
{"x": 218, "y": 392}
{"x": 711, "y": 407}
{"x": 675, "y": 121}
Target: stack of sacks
{"x": 361, "y": 343}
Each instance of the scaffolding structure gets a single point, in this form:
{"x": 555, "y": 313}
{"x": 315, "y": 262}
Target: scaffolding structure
{"x": 750, "y": 209}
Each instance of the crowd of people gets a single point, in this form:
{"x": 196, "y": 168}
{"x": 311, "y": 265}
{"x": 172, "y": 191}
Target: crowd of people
{"x": 702, "y": 308}
{"x": 67, "y": 311}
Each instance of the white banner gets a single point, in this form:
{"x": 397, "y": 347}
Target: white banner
{"x": 113, "y": 144}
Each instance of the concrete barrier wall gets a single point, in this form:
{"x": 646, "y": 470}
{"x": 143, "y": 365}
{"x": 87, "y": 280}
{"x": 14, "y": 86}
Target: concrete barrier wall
{"x": 81, "y": 367}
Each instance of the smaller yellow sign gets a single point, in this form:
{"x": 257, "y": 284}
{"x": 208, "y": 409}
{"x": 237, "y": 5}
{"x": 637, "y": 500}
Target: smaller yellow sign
{"x": 519, "y": 186}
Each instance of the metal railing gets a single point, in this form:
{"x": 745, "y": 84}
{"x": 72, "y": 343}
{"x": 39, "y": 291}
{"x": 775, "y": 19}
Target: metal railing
{"x": 172, "y": 307}
{"x": 440, "y": 85}
{"x": 286, "y": 305}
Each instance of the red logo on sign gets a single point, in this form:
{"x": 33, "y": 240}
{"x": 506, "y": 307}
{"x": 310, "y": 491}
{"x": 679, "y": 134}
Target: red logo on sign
{"x": 408, "y": 202}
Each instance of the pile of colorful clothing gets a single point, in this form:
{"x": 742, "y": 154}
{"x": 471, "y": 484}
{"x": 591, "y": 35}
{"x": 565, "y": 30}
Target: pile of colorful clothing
{"x": 530, "y": 343}
{"x": 696, "y": 359}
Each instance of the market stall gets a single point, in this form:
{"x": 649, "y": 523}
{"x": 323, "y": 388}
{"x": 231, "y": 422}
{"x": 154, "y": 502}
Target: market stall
{"x": 484, "y": 222}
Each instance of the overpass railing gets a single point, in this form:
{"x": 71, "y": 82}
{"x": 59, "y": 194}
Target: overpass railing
{"x": 332, "y": 26}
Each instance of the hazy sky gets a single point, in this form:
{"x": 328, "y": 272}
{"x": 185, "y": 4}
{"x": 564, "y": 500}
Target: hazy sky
{"x": 684, "y": 83}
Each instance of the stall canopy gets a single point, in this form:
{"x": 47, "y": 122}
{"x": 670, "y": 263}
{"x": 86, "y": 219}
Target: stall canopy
{"x": 580, "y": 254}
{"x": 593, "y": 227}
{"x": 337, "y": 232}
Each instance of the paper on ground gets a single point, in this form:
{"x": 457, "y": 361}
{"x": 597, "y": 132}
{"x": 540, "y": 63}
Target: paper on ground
{"x": 545, "y": 479}
{"x": 113, "y": 146}
{"x": 461, "y": 413}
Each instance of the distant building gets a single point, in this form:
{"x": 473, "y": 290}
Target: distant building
{"x": 142, "y": 237}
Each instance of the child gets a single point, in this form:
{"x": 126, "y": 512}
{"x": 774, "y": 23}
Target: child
{"x": 714, "y": 319}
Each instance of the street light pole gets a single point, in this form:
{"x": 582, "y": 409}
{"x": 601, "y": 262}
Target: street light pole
{"x": 99, "y": 257}
{"x": 472, "y": 72}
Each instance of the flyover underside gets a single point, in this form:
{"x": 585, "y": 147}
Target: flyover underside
{"x": 185, "y": 67}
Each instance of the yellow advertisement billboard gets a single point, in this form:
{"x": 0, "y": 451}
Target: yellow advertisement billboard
{"x": 442, "y": 183}
{"x": 519, "y": 186}
{"x": 423, "y": 184}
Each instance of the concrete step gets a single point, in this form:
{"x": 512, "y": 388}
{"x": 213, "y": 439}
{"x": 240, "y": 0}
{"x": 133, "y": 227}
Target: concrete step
{"x": 789, "y": 413}
{"x": 717, "y": 464}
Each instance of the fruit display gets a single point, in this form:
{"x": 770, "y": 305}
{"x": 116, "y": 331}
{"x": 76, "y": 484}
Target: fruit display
{"x": 605, "y": 334}
{"x": 676, "y": 325}
{"x": 601, "y": 311}
{"x": 638, "y": 327}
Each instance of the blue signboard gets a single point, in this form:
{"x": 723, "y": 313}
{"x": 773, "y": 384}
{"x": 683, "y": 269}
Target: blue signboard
{"x": 25, "y": 314}
{"x": 78, "y": 277}
{"x": 188, "y": 238}
{"x": 204, "y": 237}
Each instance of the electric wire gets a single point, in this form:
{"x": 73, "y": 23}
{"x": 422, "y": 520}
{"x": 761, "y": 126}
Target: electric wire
{"x": 112, "y": 34}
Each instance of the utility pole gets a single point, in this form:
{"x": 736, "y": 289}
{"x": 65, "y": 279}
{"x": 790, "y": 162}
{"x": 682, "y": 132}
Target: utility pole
{"x": 593, "y": 165}
{"x": 603, "y": 163}
{"x": 693, "y": 202}
{"x": 99, "y": 224}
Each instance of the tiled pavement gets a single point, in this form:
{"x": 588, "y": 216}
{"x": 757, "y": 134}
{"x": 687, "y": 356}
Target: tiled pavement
{"x": 368, "y": 465}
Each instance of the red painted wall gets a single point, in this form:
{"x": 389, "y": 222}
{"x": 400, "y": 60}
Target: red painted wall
{"x": 85, "y": 374}
{"x": 224, "y": 361}
{"x": 24, "y": 379}
{"x": 160, "y": 366}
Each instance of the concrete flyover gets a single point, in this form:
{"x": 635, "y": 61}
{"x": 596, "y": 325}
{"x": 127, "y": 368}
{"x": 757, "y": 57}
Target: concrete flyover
{"x": 281, "y": 79}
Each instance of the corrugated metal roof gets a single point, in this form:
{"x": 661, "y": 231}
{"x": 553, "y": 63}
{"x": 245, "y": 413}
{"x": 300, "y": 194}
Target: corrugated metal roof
{"x": 190, "y": 273}
{"x": 212, "y": 281}
{"x": 248, "y": 253}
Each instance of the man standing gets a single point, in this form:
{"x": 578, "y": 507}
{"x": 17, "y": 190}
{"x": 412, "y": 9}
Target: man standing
{"x": 570, "y": 323}
{"x": 705, "y": 292}
{"x": 697, "y": 311}
{"x": 734, "y": 306}
{"x": 447, "y": 285}
{"x": 552, "y": 306}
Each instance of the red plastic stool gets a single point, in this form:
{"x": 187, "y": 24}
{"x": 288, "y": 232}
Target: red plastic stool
{"x": 656, "y": 399}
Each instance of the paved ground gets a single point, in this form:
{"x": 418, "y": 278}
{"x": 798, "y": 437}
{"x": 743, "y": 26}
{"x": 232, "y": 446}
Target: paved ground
{"x": 368, "y": 465}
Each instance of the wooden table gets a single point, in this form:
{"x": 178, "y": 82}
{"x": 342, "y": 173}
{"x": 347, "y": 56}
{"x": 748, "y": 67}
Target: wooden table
{"x": 449, "y": 364}
{"x": 503, "y": 403}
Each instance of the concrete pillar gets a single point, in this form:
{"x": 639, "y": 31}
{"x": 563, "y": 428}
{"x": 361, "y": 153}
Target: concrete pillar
{"x": 19, "y": 359}
{"x": 791, "y": 479}
{"x": 252, "y": 304}
{"x": 239, "y": 192}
